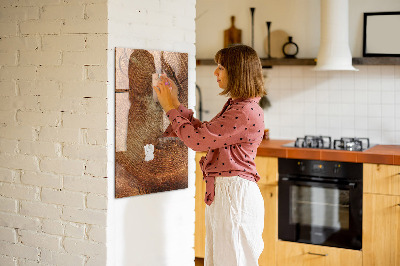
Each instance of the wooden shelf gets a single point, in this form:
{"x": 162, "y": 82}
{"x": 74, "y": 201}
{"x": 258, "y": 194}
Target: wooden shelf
{"x": 312, "y": 61}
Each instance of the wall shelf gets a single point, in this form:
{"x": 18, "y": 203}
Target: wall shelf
{"x": 312, "y": 61}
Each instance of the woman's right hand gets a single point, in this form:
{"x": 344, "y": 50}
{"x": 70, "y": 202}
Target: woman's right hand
{"x": 174, "y": 90}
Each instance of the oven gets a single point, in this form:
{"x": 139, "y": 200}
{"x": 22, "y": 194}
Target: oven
{"x": 320, "y": 202}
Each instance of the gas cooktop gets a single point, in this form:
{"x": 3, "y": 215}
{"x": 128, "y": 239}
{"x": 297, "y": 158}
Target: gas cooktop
{"x": 325, "y": 142}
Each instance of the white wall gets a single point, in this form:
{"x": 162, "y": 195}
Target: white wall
{"x": 53, "y": 190}
{"x": 298, "y": 18}
{"x": 155, "y": 229}
{"x": 338, "y": 104}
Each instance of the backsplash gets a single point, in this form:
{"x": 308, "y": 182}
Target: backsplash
{"x": 365, "y": 103}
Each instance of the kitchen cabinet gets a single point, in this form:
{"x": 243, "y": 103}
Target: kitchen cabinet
{"x": 290, "y": 253}
{"x": 381, "y": 215}
{"x": 200, "y": 207}
{"x": 381, "y": 179}
{"x": 267, "y": 167}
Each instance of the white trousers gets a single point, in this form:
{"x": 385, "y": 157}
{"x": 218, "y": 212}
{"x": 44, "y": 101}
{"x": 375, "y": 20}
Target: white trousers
{"x": 234, "y": 223}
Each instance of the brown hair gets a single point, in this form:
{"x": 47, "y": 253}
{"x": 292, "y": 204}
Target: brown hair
{"x": 245, "y": 78}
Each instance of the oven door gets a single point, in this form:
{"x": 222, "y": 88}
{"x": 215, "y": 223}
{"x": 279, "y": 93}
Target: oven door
{"x": 321, "y": 212}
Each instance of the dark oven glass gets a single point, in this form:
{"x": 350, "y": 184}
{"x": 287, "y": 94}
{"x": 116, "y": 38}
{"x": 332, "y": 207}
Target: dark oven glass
{"x": 323, "y": 207}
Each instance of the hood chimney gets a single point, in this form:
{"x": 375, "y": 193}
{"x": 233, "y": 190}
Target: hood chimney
{"x": 334, "y": 51}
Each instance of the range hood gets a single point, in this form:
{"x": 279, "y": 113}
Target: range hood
{"x": 334, "y": 51}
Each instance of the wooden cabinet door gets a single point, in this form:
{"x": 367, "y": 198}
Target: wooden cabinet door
{"x": 267, "y": 168}
{"x": 297, "y": 254}
{"x": 381, "y": 230}
{"x": 200, "y": 207}
{"x": 270, "y": 233}
{"x": 381, "y": 179}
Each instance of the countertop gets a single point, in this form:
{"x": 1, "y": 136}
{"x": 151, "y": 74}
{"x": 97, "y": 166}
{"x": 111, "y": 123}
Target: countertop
{"x": 379, "y": 154}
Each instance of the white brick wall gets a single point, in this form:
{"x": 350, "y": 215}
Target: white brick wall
{"x": 53, "y": 107}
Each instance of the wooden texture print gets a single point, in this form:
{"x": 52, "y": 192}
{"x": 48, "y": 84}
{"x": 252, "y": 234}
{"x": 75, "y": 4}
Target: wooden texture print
{"x": 145, "y": 161}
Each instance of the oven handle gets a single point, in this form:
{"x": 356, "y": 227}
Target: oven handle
{"x": 297, "y": 181}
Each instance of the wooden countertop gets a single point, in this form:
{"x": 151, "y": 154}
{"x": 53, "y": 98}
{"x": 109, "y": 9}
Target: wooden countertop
{"x": 379, "y": 154}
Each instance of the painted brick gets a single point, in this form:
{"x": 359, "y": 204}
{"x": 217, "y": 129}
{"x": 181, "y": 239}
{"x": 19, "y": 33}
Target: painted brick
{"x": 39, "y": 118}
{"x": 57, "y": 134}
{"x": 30, "y": 2}
{"x": 97, "y": 73}
{"x": 86, "y": 184}
{"x": 39, "y": 58}
{"x": 97, "y": 42}
{"x": 68, "y": 42}
{"x": 97, "y": 11}
{"x": 19, "y": 43}
{"x": 19, "y": 13}
{"x": 26, "y": 103}
{"x": 8, "y": 58}
{"x": 39, "y": 87}
{"x": 62, "y": 104}
{"x": 39, "y": 148}
{"x": 62, "y": 12}
{"x": 61, "y": 259}
{"x": 7, "y": 88}
{"x": 63, "y": 197}
{"x": 88, "y": 216}
{"x": 35, "y": 239}
{"x": 97, "y": 234}
{"x": 8, "y": 261}
{"x": 18, "y": 72}
{"x": 95, "y": 136}
{"x": 19, "y": 221}
{"x": 7, "y": 175}
{"x": 89, "y": 57}
{"x": 62, "y": 166}
{"x": 17, "y": 191}
{"x": 84, "y": 247}
{"x": 40, "y": 27}
{"x": 53, "y": 227}
{"x": 87, "y": 88}
{"x": 41, "y": 179}
{"x": 26, "y": 262}
{"x": 16, "y": 132}
{"x": 85, "y": 152}
{"x": 17, "y": 161}
{"x": 7, "y": 117}
{"x": 19, "y": 250}
{"x": 60, "y": 73}
{"x": 38, "y": 209}
{"x": 8, "y": 205}
{"x": 100, "y": 260}
{"x": 95, "y": 168}
{"x": 94, "y": 201}
{"x": 84, "y": 26}
{"x": 98, "y": 121}
{"x": 75, "y": 230}
{"x": 8, "y": 145}
{"x": 8, "y": 234}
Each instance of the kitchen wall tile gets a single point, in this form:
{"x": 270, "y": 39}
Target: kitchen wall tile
{"x": 387, "y": 71}
{"x": 388, "y": 110}
{"x": 323, "y": 102}
{"x": 375, "y": 136}
{"x": 374, "y": 110}
{"x": 388, "y": 97}
{"x": 374, "y": 97}
{"x": 361, "y": 125}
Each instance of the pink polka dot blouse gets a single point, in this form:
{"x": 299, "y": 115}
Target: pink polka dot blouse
{"x": 231, "y": 139}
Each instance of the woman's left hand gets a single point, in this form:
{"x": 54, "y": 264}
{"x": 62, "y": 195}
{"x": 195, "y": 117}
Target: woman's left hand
{"x": 163, "y": 90}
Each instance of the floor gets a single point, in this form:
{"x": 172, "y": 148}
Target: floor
{"x": 199, "y": 262}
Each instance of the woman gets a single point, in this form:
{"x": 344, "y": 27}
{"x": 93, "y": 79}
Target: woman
{"x": 235, "y": 207}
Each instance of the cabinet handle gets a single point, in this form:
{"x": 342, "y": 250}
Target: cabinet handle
{"x": 398, "y": 204}
{"x": 318, "y": 254}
